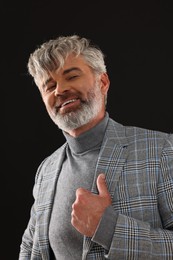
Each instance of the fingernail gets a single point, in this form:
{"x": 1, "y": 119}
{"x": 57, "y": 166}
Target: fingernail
{"x": 102, "y": 176}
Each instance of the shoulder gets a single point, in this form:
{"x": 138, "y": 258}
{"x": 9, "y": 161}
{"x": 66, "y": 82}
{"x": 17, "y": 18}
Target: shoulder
{"x": 138, "y": 134}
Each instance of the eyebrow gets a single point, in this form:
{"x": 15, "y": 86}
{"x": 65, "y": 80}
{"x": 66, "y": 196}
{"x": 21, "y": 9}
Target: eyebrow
{"x": 71, "y": 69}
{"x": 64, "y": 73}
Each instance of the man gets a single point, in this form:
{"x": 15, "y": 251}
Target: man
{"x": 107, "y": 193}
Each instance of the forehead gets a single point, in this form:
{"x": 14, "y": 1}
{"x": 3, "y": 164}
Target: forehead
{"x": 71, "y": 63}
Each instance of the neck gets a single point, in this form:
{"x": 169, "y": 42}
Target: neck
{"x": 84, "y": 128}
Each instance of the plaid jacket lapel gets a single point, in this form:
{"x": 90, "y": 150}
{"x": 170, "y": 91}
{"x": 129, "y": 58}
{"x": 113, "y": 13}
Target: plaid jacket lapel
{"x": 111, "y": 159}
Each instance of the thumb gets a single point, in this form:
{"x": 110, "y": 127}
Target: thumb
{"x": 101, "y": 185}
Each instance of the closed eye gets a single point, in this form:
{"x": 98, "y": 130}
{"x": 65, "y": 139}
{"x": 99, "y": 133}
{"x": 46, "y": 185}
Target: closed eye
{"x": 72, "y": 77}
{"x": 49, "y": 88}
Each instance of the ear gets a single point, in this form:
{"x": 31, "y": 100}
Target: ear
{"x": 105, "y": 82}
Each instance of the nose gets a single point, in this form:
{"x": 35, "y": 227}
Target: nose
{"x": 60, "y": 88}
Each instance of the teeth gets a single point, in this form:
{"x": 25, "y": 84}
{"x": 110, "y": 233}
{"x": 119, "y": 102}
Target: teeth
{"x": 69, "y": 101}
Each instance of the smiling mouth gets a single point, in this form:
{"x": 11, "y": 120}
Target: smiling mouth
{"x": 68, "y": 102}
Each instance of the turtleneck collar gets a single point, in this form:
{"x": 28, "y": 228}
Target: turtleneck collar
{"x": 88, "y": 140}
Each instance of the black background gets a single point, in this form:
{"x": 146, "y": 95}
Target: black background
{"x": 137, "y": 40}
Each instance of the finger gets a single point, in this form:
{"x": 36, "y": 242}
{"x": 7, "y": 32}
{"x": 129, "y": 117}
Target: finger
{"x": 81, "y": 191}
{"x": 81, "y": 194}
{"x": 101, "y": 185}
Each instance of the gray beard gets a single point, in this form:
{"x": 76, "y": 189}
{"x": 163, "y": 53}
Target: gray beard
{"x": 88, "y": 111}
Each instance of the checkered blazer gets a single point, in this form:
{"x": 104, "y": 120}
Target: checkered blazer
{"x": 138, "y": 164}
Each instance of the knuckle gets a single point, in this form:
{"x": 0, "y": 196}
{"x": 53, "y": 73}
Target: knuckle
{"x": 79, "y": 191}
{"x": 74, "y": 206}
{"x": 72, "y": 221}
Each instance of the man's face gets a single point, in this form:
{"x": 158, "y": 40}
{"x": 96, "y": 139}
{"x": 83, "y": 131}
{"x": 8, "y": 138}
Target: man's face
{"x": 74, "y": 95}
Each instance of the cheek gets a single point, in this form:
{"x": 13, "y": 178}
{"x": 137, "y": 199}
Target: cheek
{"x": 49, "y": 102}
{"x": 86, "y": 88}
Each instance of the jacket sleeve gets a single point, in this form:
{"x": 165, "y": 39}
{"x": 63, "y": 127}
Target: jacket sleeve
{"x": 29, "y": 248}
{"x": 132, "y": 238}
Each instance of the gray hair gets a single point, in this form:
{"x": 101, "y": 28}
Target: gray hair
{"x": 51, "y": 55}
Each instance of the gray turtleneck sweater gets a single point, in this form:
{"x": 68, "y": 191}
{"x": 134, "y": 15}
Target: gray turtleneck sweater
{"x": 77, "y": 171}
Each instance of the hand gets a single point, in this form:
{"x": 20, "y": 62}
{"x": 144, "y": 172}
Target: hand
{"x": 88, "y": 208}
